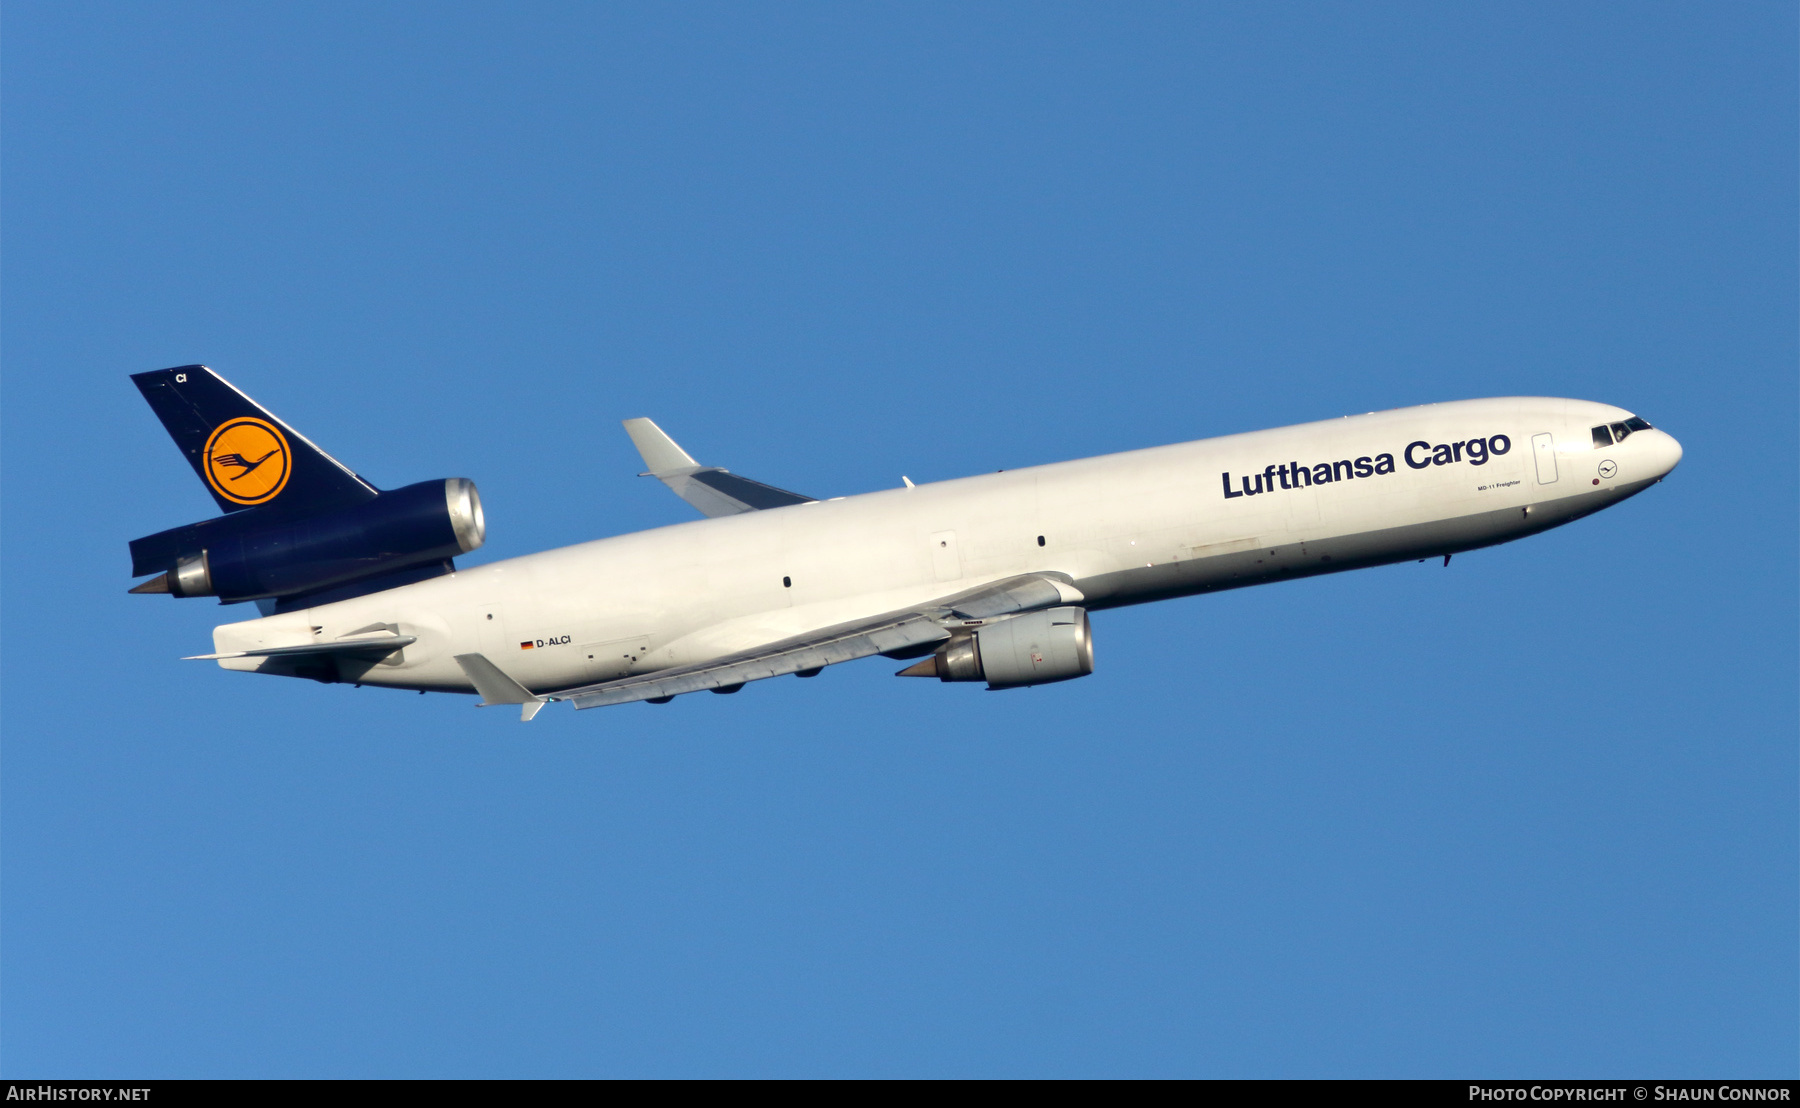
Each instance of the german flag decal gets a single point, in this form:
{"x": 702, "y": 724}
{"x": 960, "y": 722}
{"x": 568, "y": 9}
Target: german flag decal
{"x": 526, "y": 645}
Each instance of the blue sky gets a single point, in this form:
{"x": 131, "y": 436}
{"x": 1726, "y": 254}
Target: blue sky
{"x": 1364, "y": 825}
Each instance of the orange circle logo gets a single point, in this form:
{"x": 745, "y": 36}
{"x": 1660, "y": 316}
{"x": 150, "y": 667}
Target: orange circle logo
{"x": 247, "y": 461}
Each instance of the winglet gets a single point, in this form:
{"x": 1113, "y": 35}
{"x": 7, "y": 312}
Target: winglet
{"x": 715, "y": 491}
{"x": 496, "y": 687}
{"x": 661, "y": 454}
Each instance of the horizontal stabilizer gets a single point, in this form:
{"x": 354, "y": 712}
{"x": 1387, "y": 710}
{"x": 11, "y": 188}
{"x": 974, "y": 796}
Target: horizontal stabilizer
{"x": 496, "y": 687}
{"x": 381, "y": 645}
{"x": 715, "y": 491}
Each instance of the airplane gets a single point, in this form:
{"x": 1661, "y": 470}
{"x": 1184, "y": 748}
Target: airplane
{"x": 989, "y": 578}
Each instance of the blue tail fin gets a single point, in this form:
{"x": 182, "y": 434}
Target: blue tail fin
{"x": 244, "y": 455}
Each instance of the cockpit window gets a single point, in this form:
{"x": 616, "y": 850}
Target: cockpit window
{"x": 1605, "y": 435}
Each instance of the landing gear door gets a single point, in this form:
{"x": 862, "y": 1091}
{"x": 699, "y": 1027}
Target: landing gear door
{"x": 1543, "y": 448}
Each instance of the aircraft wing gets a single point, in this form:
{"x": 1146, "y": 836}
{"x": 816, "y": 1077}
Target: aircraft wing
{"x": 835, "y": 644}
{"x": 900, "y": 632}
{"x": 715, "y": 491}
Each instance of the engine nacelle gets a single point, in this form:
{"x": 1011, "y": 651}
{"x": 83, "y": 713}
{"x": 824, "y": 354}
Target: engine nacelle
{"x": 1031, "y": 649}
{"x": 247, "y": 556}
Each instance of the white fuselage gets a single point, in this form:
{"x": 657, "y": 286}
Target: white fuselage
{"x": 1126, "y": 528}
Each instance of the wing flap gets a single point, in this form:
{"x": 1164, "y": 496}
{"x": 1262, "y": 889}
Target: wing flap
{"x": 891, "y": 633}
{"x": 823, "y": 648}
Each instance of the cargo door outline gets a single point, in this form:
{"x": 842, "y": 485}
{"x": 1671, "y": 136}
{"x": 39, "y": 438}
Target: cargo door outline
{"x": 1543, "y": 449}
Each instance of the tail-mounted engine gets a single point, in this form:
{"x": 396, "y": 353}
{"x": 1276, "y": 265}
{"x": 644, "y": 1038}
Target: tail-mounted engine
{"x": 410, "y": 533}
{"x": 300, "y": 527}
{"x": 1031, "y": 649}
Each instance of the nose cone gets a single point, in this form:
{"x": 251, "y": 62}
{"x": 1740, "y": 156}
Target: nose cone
{"x": 1664, "y": 452}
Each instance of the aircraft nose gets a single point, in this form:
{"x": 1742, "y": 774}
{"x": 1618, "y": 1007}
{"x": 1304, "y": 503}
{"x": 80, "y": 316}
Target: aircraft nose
{"x": 1667, "y": 453}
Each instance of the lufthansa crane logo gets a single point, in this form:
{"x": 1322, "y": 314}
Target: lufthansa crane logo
{"x": 247, "y": 461}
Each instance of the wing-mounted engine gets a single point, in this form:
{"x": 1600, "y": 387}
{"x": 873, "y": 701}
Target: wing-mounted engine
{"x": 1035, "y": 648}
{"x": 397, "y": 537}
